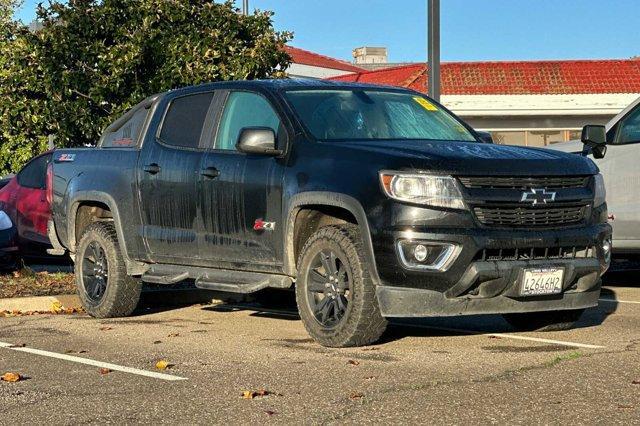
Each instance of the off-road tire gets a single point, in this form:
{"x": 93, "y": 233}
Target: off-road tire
{"x": 544, "y": 321}
{"x": 122, "y": 293}
{"x": 362, "y": 323}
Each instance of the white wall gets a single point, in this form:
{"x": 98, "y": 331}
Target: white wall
{"x": 538, "y": 105}
{"x": 309, "y": 71}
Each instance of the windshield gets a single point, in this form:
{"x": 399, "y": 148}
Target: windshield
{"x": 374, "y": 115}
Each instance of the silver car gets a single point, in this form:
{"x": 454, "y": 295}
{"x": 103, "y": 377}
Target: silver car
{"x": 620, "y": 167}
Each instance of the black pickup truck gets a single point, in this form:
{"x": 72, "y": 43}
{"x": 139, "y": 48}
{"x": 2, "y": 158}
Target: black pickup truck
{"x": 373, "y": 202}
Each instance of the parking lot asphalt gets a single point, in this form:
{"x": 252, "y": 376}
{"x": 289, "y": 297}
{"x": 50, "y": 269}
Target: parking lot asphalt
{"x": 444, "y": 370}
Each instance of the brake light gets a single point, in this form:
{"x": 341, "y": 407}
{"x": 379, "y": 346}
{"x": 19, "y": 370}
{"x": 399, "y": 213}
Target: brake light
{"x": 49, "y": 189}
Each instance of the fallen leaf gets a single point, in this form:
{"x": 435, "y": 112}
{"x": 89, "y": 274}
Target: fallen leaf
{"x": 270, "y": 413}
{"x": 356, "y": 395}
{"x": 104, "y": 371}
{"x": 18, "y": 345}
{"x": 71, "y": 351}
{"x": 353, "y": 362}
{"x": 494, "y": 337}
{"x": 11, "y": 377}
{"x": 636, "y": 382}
{"x": 163, "y": 365}
{"x": 106, "y": 328}
{"x": 249, "y": 394}
{"x": 174, "y": 335}
{"x": 157, "y": 341}
{"x": 57, "y": 308}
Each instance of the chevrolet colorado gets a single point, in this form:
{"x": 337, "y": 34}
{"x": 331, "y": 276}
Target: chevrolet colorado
{"x": 373, "y": 202}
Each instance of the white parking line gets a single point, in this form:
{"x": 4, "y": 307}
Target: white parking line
{"x": 618, "y": 301}
{"x": 91, "y": 362}
{"x": 504, "y": 336}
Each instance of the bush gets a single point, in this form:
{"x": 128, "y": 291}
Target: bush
{"x": 95, "y": 59}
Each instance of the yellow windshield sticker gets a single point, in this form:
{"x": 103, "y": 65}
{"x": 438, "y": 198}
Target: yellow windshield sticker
{"x": 425, "y": 103}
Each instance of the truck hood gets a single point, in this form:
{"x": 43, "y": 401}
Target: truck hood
{"x": 467, "y": 158}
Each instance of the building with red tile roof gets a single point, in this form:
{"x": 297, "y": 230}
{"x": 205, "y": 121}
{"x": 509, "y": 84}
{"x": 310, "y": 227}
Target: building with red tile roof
{"x": 524, "y": 102}
{"x": 515, "y": 78}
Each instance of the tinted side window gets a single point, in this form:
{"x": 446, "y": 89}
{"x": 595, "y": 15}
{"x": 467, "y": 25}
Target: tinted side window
{"x": 34, "y": 174}
{"x": 244, "y": 109}
{"x": 630, "y": 128}
{"x": 184, "y": 120}
{"x": 128, "y": 134}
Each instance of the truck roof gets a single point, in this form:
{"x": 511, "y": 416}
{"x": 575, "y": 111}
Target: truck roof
{"x": 291, "y": 83}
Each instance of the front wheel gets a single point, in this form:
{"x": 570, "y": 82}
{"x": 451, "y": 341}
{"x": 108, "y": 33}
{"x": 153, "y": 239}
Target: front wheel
{"x": 104, "y": 288}
{"x": 544, "y": 321}
{"x": 334, "y": 291}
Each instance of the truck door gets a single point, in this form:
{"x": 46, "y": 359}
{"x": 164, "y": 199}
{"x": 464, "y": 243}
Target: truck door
{"x": 620, "y": 170}
{"x": 240, "y": 195}
{"x": 168, "y": 172}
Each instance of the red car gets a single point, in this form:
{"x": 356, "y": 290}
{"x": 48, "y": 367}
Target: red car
{"x": 25, "y": 210}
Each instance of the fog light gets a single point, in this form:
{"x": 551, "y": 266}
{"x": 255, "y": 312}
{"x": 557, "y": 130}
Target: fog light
{"x": 420, "y": 252}
{"x": 427, "y": 255}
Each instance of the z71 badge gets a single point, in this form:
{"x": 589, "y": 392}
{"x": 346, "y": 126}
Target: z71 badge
{"x": 66, "y": 158}
{"x": 261, "y": 225}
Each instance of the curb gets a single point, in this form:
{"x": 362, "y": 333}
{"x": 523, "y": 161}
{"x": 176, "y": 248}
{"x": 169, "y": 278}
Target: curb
{"x": 40, "y": 303}
{"x": 176, "y": 297}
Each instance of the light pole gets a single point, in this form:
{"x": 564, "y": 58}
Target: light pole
{"x": 245, "y": 7}
{"x": 433, "y": 48}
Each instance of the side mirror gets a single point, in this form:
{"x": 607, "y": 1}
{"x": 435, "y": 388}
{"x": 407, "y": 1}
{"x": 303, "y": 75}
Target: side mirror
{"x": 485, "y": 137}
{"x": 258, "y": 141}
{"x": 594, "y": 137}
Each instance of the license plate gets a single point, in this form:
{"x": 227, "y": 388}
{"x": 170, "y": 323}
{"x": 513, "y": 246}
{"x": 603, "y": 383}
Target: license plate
{"x": 542, "y": 281}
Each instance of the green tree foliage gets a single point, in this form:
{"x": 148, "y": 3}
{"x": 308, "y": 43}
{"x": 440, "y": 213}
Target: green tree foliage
{"x": 95, "y": 59}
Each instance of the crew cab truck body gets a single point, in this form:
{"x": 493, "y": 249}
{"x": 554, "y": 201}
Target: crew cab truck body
{"x": 374, "y": 202}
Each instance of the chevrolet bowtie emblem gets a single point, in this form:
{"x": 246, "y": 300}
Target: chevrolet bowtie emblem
{"x": 538, "y": 196}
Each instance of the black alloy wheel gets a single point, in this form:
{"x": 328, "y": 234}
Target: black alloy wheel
{"x": 95, "y": 272}
{"x": 329, "y": 288}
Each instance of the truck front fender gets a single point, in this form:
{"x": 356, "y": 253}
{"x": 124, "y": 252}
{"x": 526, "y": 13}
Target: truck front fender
{"x": 331, "y": 199}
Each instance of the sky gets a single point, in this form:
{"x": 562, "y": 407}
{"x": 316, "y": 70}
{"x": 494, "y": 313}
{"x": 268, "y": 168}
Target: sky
{"x": 471, "y": 30}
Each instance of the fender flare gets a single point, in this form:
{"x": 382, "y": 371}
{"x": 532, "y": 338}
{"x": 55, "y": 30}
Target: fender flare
{"x": 333, "y": 199}
{"x": 133, "y": 267}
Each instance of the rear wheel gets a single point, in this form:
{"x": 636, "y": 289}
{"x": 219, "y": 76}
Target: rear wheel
{"x": 334, "y": 292}
{"x": 544, "y": 321}
{"x": 104, "y": 288}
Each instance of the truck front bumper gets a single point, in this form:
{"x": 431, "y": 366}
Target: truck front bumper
{"x": 493, "y": 287}
{"x": 475, "y": 282}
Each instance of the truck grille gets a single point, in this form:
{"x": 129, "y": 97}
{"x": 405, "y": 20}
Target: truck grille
{"x": 558, "y": 182}
{"x": 533, "y": 253}
{"x": 529, "y": 216}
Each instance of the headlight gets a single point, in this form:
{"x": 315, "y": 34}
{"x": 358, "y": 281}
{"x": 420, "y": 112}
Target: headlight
{"x": 600, "y": 192}
{"x": 429, "y": 190}
{"x": 5, "y": 222}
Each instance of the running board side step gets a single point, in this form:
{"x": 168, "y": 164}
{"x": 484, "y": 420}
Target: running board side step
{"x": 164, "y": 279}
{"x": 216, "y": 279}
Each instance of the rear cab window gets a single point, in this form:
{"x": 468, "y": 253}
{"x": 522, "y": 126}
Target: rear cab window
{"x": 126, "y": 135}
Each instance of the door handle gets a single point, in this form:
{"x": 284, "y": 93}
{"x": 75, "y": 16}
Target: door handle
{"x": 152, "y": 168}
{"x": 210, "y": 172}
